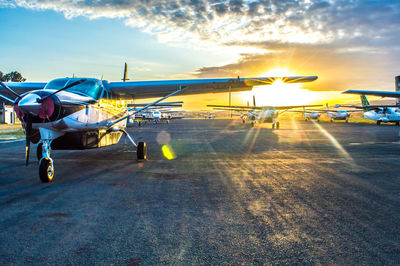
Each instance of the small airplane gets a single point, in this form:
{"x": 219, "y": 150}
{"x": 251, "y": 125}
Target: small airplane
{"x": 262, "y": 114}
{"x": 378, "y": 113}
{"x": 86, "y": 113}
{"x": 337, "y": 114}
{"x": 155, "y": 113}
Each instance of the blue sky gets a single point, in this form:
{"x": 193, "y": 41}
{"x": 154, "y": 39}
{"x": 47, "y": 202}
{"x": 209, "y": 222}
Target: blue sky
{"x": 43, "y": 44}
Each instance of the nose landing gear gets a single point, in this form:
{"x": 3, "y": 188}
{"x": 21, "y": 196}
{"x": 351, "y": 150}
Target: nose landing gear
{"x": 46, "y": 166}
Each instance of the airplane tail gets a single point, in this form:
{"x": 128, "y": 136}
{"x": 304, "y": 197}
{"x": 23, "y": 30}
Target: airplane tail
{"x": 397, "y": 87}
{"x": 125, "y": 77}
{"x": 364, "y": 101}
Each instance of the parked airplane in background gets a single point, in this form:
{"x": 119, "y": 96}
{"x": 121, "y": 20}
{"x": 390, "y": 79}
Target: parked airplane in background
{"x": 337, "y": 114}
{"x": 262, "y": 114}
{"x": 309, "y": 114}
{"x": 378, "y": 113}
{"x": 85, "y": 113}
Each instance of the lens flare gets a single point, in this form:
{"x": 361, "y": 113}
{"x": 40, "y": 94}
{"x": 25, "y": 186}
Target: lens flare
{"x": 168, "y": 152}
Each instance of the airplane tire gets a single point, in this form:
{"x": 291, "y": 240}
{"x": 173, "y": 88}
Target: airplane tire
{"x": 46, "y": 170}
{"x": 277, "y": 125}
{"x": 378, "y": 123}
{"x": 273, "y": 125}
{"x": 244, "y": 121}
{"x": 140, "y": 123}
{"x": 331, "y": 120}
{"x": 252, "y": 124}
{"x": 141, "y": 151}
{"x": 39, "y": 151}
{"x": 397, "y": 123}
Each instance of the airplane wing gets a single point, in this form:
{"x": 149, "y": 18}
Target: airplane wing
{"x": 393, "y": 94}
{"x": 22, "y": 87}
{"x": 246, "y": 108}
{"x": 149, "y": 89}
{"x": 367, "y": 107}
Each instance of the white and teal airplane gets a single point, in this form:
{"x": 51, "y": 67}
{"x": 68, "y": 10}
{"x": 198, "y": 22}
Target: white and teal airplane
{"x": 87, "y": 113}
{"x": 378, "y": 113}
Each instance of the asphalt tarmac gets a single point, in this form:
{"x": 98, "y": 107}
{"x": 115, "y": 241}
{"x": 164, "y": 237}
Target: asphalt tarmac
{"x": 304, "y": 194}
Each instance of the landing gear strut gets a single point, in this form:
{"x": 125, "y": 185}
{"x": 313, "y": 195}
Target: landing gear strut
{"x": 141, "y": 148}
{"x": 46, "y": 166}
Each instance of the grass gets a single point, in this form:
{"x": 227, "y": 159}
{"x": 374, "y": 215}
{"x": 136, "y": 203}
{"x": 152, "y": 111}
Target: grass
{"x": 17, "y": 131}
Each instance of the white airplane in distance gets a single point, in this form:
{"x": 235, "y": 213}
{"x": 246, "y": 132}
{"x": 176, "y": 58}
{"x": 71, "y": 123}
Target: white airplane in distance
{"x": 155, "y": 113}
{"x": 309, "y": 114}
{"x": 378, "y": 113}
{"x": 86, "y": 113}
{"x": 262, "y": 114}
{"x": 337, "y": 114}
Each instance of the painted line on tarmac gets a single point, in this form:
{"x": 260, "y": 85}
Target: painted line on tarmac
{"x": 11, "y": 141}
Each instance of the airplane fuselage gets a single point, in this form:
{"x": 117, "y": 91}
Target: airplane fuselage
{"x": 385, "y": 115}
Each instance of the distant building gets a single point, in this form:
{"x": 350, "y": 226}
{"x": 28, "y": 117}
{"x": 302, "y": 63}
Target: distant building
{"x": 7, "y": 114}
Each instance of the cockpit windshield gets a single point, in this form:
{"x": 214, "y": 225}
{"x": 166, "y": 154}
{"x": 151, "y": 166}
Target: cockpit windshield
{"x": 90, "y": 87}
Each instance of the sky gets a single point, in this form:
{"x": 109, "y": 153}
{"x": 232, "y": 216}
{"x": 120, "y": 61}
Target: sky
{"x": 348, "y": 44}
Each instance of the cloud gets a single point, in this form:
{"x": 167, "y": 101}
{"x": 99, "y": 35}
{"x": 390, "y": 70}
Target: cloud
{"x": 346, "y": 41}
{"x": 219, "y": 21}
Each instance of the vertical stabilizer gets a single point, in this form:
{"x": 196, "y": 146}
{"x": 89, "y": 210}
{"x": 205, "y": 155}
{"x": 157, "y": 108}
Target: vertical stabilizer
{"x": 364, "y": 101}
{"x": 397, "y": 87}
{"x": 125, "y": 77}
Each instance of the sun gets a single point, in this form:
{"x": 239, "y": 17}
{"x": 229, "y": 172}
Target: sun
{"x": 280, "y": 93}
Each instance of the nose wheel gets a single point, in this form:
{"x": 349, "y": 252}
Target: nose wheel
{"x": 46, "y": 166}
{"x": 46, "y": 170}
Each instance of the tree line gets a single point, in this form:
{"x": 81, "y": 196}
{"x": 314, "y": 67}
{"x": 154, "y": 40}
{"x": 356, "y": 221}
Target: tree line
{"x": 13, "y": 76}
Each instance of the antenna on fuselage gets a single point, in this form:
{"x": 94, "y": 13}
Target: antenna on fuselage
{"x": 125, "y": 77}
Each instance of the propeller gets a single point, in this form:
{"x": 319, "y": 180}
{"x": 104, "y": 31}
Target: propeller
{"x": 10, "y": 90}
{"x": 28, "y": 135}
{"x": 66, "y": 87}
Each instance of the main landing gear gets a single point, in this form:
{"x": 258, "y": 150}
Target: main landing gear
{"x": 141, "y": 147}
{"x": 275, "y": 125}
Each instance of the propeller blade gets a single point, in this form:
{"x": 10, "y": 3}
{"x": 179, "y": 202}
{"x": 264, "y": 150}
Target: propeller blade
{"x": 10, "y": 90}
{"x": 28, "y": 135}
{"x": 66, "y": 87}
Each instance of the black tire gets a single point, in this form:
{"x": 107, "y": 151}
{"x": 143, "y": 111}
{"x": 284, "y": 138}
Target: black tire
{"x": 378, "y": 123}
{"x": 46, "y": 170}
{"x": 243, "y": 121}
{"x": 140, "y": 123}
{"x": 141, "y": 151}
{"x": 277, "y": 125}
{"x": 39, "y": 151}
{"x": 331, "y": 120}
{"x": 252, "y": 124}
{"x": 273, "y": 125}
{"x": 397, "y": 123}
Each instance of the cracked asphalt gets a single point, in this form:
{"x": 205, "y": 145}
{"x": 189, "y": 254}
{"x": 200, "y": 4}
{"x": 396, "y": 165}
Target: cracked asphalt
{"x": 308, "y": 193}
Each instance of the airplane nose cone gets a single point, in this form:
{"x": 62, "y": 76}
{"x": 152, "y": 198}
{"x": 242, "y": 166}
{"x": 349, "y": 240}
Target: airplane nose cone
{"x": 29, "y": 104}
